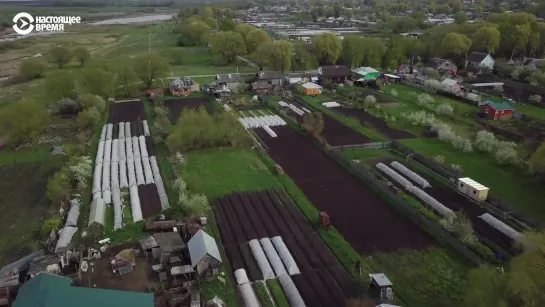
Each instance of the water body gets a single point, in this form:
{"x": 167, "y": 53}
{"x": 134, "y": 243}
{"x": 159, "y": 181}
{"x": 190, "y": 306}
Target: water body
{"x": 137, "y": 19}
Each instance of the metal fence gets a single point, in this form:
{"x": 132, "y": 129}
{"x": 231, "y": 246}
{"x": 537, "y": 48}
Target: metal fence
{"x": 419, "y": 86}
{"x": 374, "y": 145}
{"x": 406, "y": 209}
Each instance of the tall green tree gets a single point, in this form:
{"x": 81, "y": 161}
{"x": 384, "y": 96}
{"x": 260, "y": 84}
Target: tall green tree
{"x": 60, "y": 56}
{"x": 32, "y": 68}
{"x": 486, "y": 38}
{"x": 60, "y": 84}
{"x": 97, "y": 81}
{"x": 328, "y": 48}
{"x": 82, "y": 55}
{"x": 282, "y": 55}
{"x": 455, "y": 44}
{"x": 255, "y": 38}
{"x": 244, "y": 29}
{"x": 228, "y": 45}
{"x": 352, "y": 50}
{"x": 227, "y": 25}
{"x": 22, "y": 121}
{"x": 302, "y": 59}
{"x": 149, "y": 66}
{"x": 374, "y": 50}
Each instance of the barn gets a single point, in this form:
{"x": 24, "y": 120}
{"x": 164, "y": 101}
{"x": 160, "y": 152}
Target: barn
{"x": 496, "y": 110}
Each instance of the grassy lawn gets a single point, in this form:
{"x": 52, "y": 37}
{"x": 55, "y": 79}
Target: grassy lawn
{"x": 262, "y": 295}
{"x": 525, "y": 192}
{"x": 527, "y": 109}
{"x": 367, "y": 154}
{"x": 277, "y": 293}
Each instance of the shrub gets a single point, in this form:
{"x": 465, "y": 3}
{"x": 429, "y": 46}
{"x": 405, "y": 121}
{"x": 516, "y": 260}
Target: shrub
{"x": 54, "y": 223}
{"x": 393, "y": 92}
{"x": 88, "y": 101}
{"x": 456, "y": 167}
{"x": 409, "y": 77}
{"x": 535, "y": 98}
{"x": 439, "y": 159}
{"x": 180, "y": 159}
{"x": 197, "y": 204}
{"x": 485, "y": 141}
{"x": 420, "y": 118}
{"x": 81, "y": 169}
{"x": 498, "y": 90}
{"x": 89, "y": 117}
{"x": 65, "y": 106}
{"x": 425, "y": 100}
{"x": 370, "y": 101}
{"x": 444, "y": 109}
{"x": 506, "y": 153}
{"x": 32, "y": 68}
{"x": 432, "y": 83}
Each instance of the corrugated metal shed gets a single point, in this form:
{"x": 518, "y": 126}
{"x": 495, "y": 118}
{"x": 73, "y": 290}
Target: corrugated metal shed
{"x": 200, "y": 245}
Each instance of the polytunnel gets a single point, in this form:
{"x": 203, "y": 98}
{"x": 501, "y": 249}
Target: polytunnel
{"x": 107, "y": 196}
{"x": 115, "y": 175}
{"x": 248, "y": 295}
{"x": 127, "y": 130}
{"x": 97, "y": 195}
{"x": 291, "y": 292}
{"x": 135, "y": 204}
{"x": 109, "y": 132}
{"x": 273, "y": 257}
{"x": 261, "y": 259}
{"x": 395, "y": 176}
{"x": 103, "y": 133}
{"x": 437, "y": 206}
{"x": 106, "y": 176}
{"x": 281, "y": 122}
{"x": 147, "y": 171}
{"x": 115, "y": 150}
{"x": 143, "y": 149}
{"x": 155, "y": 168}
{"x": 270, "y": 131}
{"x": 241, "y": 277}
{"x": 407, "y": 172}
{"x": 97, "y": 179}
{"x": 502, "y": 227}
{"x": 128, "y": 148}
{"x": 123, "y": 180}
{"x": 163, "y": 198}
{"x": 107, "y": 151}
{"x": 146, "y": 127}
{"x": 135, "y": 147}
{"x": 139, "y": 172}
{"x": 65, "y": 237}
{"x": 121, "y": 132}
{"x": 73, "y": 214}
{"x": 100, "y": 153}
{"x": 243, "y": 123}
{"x": 118, "y": 212}
{"x": 121, "y": 145}
{"x": 97, "y": 211}
{"x": 285, "y": 255}
{"x": 132, "y": 174}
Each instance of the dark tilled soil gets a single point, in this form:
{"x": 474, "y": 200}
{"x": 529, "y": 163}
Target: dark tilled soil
{"x": 176, "y": 106}
{"x": 367, "y": 222}
{"x": 377, "y": 123}
{"x": 254, "y": 215}
{"x": 456, "y": 202}
{"x": 335, "y": 132}
{"x": 129, "y": 111}
{"x": 149, "y": 200}
{"x": 150, "y": 146}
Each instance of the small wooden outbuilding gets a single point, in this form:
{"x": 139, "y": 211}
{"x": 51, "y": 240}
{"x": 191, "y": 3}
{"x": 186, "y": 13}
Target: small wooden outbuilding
{"x": 472, "y": 189}
{"x": 496, "y": 110}
{"x": 311, "y": 89}
{"x": 204, "y": 254}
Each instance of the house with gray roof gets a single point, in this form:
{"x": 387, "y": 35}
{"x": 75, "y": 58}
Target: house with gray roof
{"x": 204, "y": 253}
{"x": 230, "y": 81}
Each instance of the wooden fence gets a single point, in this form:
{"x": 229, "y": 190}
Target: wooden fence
{"x": 374, "y": 145}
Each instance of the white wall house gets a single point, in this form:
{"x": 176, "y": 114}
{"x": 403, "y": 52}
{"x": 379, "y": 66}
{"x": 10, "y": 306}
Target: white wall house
{"x": 479, "y": 59}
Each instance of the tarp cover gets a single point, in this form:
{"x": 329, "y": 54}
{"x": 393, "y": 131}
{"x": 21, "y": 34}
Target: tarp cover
{"x": 65, "y": 237}
{"x": 115, "y": 150}
{"x": 97, "y": 179}
{"x": 73, "y": 214}
{"x": 123, "y": 180}
{"x": 128, "y": 148}
{"x": 107, "y": 196}
{"x": 118, "y": 217}
{"x": 143, "y": 149}
{"x": 97, "y": 195}
{"x": 241, "y": 277}
{"x": 273, "y": 257}
{"x": 162, "y": 194}
{"x": 135, "y": 147}
{"x": 285, "y": 255}
{"x": 139, "y": 172}
{"x": 96, "y": 214}
{"x": 147, "y": 170}
{"x": 261, "y": 259}
{"x": 115, "y": 175}
{"x": 135, "y": 204}
{"x": 100, "y": 153}
{"x": 108, "y": 151}
{"x": 155, "y": 169}
{"x": 132, "y": 174}
{"x": 106, "y": 176}
{"x": 109, "y": 131}
{"x": 122, "y": 154}
{"x": 248, "y": 296}
{"x": 291, "y": 292}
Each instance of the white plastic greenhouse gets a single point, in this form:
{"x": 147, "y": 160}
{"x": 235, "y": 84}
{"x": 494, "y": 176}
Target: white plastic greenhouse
{"x": 100, "y": 153}
{"x": 270, "y": 131}
{"x": 282, "y": 104}
{"x": 97, "y": 195}
{"x": 132, "y": 174}
{"x": 114, "y": 174}
{"x": 395, "y": 176}
{"x": 280, "y": 120}
{"x": 107, "y": 196}
{"x": 159, "y": 183}
{"x": 118, "y": 213}
{"x": 248, "y": 296}
{"x": 121, "y": 132}
{"x": 331, "y": 104}
{"x": 106, "y": 176}
{"x": 296, "y": 110}
{"x": 273, "y": 257}
{"x": 291, "y": 292}
{"x": 121, "y": 145}
{"x": 123, "y": 180}
{"x": 109, "y": 132}
{"x": 243, "y": 123}
{"x": 261, "y": 259}
{"x": 103, "y": 133}
{"x": 135, "y": 204}
{"x": 127, "y": 130}
{"x": 143, "y": 149}
{"x": 139, "y": 172}
{"x": 285, "y": 255}
{"x": 148, "y": 174}
{"x": 128, "y": 148}
{"x": 115, "y": 150}
{"x": 437, "y": 206}
{"x": 65, "y": 237}
{"x": 73, "y": 214}
{"x": 135, "y": 147}
{"x": 407, "y": 172}
{"x": 107, "y": 151}
{"x": 241, "y": 277}
{"x": 96, "y": 214}
{"x": 501, "y": 226}
{"x": 146, "y": 127}
{"x": 97, "y": 179}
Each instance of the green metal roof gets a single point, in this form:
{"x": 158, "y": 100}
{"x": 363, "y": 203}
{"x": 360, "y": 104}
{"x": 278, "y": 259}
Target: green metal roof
{"x": 47, "y": 290}
{"x": 499, "y": 106}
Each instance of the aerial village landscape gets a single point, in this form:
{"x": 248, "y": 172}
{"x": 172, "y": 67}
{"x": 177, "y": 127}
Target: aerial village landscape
{"x": 353, "y": 153}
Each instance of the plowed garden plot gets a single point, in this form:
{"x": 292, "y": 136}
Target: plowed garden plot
{"x": 254, "y": 215}
{"x": 137, "y": 128}
{"x": 149, "y": 200}
{"x": 456, "y": 202}
{"x": 367, "y": 222}
{"x": 175, "y": 106}
{"x": 379, "y": 124}
{"x": 335, "y": 133}
{"x": 130, "y": 111}
{"x": 150, "y": 147}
